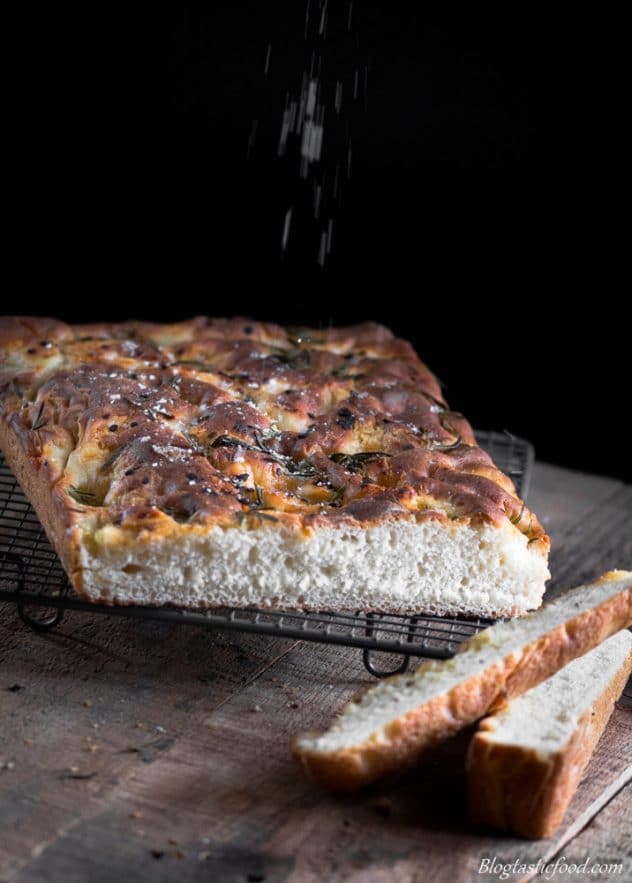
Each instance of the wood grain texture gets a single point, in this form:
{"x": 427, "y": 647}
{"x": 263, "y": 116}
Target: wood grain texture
{"x": 216, "y": 796}
{"x": 562, "y": 495}
{"x": 607, "y": 839}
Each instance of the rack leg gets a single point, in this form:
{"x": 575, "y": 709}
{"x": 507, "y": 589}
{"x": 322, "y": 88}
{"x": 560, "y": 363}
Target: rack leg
{"x": 367, "y": 654}
{"x": 39, "y": 625}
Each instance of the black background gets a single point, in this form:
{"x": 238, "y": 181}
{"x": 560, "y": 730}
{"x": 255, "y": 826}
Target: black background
{"x": 485, "y": 216}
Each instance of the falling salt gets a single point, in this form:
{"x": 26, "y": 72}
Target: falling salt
{"x": 311, "y": 144}
{"x": 306, "y": 29}
{"x": 318, "y": 193}
{"x": 286, "y": 228}
{"x": 312, "y": 92}
{"x": 322, "y": 28}
{"x": 317, "y": 155}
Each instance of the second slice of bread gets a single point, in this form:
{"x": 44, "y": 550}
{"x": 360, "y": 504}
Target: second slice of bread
{"x": 525, "y": 762}
{"x": 392, "y": 723}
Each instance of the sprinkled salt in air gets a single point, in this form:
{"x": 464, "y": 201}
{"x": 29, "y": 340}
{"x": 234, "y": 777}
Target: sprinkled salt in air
{"x": 318, "y": 193}
{"x": 317, "y": 155}
{"x": 312, "y": 92}
{"x": 286, "y": 228}
{"x": 306, "y": 19}
{"x": 311, "y": 145}
{"x": 322, "y": 27}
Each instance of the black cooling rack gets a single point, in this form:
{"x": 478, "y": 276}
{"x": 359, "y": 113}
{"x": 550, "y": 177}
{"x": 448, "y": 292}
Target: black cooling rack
{"x": 31, "y": 576}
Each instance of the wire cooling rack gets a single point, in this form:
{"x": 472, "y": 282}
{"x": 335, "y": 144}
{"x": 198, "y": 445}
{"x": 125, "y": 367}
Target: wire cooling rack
{"x": 31, "y": 576}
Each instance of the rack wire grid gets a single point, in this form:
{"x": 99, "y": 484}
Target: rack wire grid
{"x": 31, "y": 576}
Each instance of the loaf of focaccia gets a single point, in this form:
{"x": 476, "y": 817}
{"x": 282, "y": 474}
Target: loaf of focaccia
{"x": 231, "y": 462}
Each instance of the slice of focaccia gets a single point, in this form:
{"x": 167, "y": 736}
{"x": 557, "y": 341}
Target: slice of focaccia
{"x": 229, "y": 462}
{"x": 525, "y": 762}
{"x": 389, "y": 726}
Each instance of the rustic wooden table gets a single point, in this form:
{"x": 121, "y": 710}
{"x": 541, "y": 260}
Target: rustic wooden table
{"x": 134, "y": 751}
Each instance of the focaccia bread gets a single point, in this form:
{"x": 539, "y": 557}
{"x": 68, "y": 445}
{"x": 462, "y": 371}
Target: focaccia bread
{"x": 230, "y": 462}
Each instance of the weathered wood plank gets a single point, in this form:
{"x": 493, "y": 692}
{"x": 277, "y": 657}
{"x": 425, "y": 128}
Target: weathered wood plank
{"x": 229, "y": 797}
{"x": 600, "y": 541}
{"x": 85, "y": 706}
{"x": 561, "y": 497}
{"x": 606, "y": 841}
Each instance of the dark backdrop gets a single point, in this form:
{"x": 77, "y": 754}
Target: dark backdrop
{"x": 484, "y": 217}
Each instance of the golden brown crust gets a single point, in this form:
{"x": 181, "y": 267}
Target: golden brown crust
{"x": 351, "y": 768}
{"x": 512, "y": 787}
{"x": 54, "y": 515}
{"x": 215, "y": 422}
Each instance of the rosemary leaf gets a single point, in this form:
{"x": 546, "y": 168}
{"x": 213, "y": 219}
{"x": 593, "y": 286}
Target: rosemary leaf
{"x": 357, "y": 462}
{"x": 39, "y": 423}
{"x": 85, "y": 498}
{"x": 111, "y": 460}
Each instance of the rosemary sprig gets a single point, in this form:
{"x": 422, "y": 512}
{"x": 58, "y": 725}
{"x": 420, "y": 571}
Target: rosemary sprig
{"x": 227, "y": 441}
{"x": 438, "y": 446}
{"x": 39, "y": 423}
{"x": 357, "y": 462}
{"x": 85, "y": 498}
{"x": 337, "y": 497}
{"x": 259, "y": 501}
{"x": 111, "y": 460}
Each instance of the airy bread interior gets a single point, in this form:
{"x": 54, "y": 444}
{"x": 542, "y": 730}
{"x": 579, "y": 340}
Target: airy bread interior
{"x": 544, "y": 719}
{"x": 402, "y": 565}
